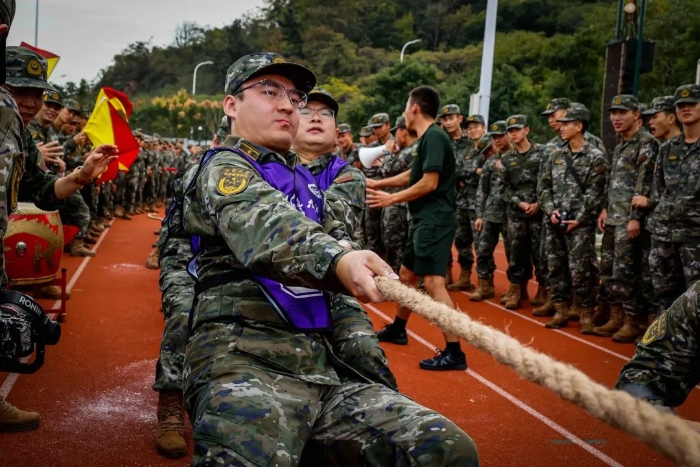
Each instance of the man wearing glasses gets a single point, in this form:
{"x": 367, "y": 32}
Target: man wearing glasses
{"x": 262, "y": 384}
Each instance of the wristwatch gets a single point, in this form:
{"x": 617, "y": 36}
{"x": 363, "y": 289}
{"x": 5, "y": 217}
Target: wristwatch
{"x": 78, "y": 179}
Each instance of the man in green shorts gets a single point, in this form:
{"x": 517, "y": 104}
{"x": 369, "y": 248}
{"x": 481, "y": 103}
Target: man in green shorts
{"x": 431, "y": 204}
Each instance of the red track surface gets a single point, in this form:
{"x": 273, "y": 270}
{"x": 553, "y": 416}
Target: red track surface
{"x": 98, "y": 409}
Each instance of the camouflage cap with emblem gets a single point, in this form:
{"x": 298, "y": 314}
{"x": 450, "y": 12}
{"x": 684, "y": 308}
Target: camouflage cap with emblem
{"x": 476, "y": 118}
{"x": 687, "y": 94}
{"x": 70, "y": 104}
{"x": 26, "y": 69}
{"x": 378, "y": 120}
{"x": 624, "y": 102}
{"x": 344, "y": 128}
{"x": 483, "y": 144}
{"x": 560, "y": 103}
{"x": 661, "y": 104}
{"x": 517, "y": 121}
{"x": 318, "y": 94}
{"x": 53, "y": 97}
{"x": 576, "y": 113}
{"x": 498, "y": 128}
{"x": 449, "y": 109}
{"x": 400, "y": 123}
{"x": 263, "y": 63}
{"x": 366, "y": 131}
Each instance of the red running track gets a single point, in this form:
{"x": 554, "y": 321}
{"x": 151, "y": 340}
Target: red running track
{"x": 98, "y": 408}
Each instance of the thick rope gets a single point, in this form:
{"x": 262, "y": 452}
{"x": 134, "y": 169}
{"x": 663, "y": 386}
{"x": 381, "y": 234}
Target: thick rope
{"x": 662, "y": 431}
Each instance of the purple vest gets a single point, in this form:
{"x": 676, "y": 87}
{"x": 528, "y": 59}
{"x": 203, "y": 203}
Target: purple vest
{"x": 325, "y": 178}
{"x": 305, "y": 309}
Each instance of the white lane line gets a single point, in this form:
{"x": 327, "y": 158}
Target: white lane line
{"x": 514, "y": 400}
{"x": 11, "y": 379}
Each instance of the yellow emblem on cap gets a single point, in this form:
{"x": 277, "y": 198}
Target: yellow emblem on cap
{"x": 278, "y": 60}
{"x": 549, "y": 106}
{"x": 511, "y": 121}
{"x": 494, "y": 127}
{"x": 617, "y": 101}
{"x": 685, "y": 93}
{"x": 471, "y": 118}
{"x": 445, "y": 109}
{"x": 234, "y": 180}
{"x": 34, "y": 68}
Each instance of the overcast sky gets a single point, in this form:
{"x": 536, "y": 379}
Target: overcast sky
{"x": 86, "y": 34}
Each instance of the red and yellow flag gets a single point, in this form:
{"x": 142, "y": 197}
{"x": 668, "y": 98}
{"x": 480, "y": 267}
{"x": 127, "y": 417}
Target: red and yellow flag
{"x": 51, "y": 58}
{"x": 109, "y": 124}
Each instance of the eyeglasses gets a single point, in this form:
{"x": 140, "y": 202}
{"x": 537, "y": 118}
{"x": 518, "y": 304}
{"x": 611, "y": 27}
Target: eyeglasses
{"x": 324, "y": 113}
{"x": 275, "y": 90}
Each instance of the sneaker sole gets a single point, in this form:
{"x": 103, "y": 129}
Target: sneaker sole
{"x": 452, "y": 368}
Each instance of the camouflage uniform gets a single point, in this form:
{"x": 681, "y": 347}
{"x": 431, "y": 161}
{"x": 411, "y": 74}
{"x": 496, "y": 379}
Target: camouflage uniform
{"x": 253, "y": 403}
{"x": 490, "y": 208}
{"x": 664, "y": 369}
{"x": 518, "y": 183}
{"x": 631, "y": 174}
{"x": 569, "y": 255}
{"x": 675, "y": 200}
{"x": 373, "y": 216}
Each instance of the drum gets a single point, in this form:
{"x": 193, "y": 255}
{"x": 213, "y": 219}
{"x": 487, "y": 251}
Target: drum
{"x": 33, "y": 245}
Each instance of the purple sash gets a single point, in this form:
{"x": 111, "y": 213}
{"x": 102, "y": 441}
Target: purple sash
{"x": 326, "y": 177}
{"x": 305, "y": 309}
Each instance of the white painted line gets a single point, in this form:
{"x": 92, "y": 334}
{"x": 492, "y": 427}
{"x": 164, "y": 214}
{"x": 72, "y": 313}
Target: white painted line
{"x": 511, "y": 398}
{"x": 11, "y": 379}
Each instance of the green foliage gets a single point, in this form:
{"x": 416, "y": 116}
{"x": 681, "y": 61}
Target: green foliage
{"x": 544, "y": 49}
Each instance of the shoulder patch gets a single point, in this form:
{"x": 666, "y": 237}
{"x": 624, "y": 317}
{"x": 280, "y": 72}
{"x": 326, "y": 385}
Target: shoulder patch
{"x": 558, "y": 161}
{"x": 233, "y": 180}
{"x": 344, "y": 178}
{"x": 599, "y": 170}
{"x": 656, "y": 331}
{"x": 672, "y": 157}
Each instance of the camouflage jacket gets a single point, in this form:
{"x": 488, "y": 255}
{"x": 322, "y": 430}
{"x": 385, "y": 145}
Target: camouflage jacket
{"x": 489, "y": 204}
{"x": 20, "y": 176}
{"x": 519, "y": 177}
{"x": 375, "y": 173}
{"x": 558, "y": 189}
{"x": 468, "y": 162}
{"x": 588, "y": 137}
{"x": 41, "y": 134}
{"x": 675, "y": 192}
{"x": 665, "y": 367}
{"x": 398, "y": 163}
{"x": 631, "y": 174}
{"x": 345, "y": 197}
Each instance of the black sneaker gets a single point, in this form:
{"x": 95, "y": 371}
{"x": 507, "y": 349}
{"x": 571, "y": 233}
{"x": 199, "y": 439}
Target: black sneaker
{"x": 391, "y": 334}
{"x": 444, "y": 361}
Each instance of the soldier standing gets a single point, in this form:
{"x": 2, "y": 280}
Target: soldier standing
{"x": 663, "y": 123}
{"x": 379, "y": 124}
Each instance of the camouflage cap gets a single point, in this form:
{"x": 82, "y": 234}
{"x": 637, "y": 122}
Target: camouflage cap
{"x": 661, "y": 104}
{"x": 576, "y": 113}
{"x": 476, "y": 118}
{"x": 53, "y": 97}
{"x": 400, "y": 123}
{"x": 688, "y": 93}
{"x": 7, "y": 11}
{"x": 26, "y": 69}
{"x": 344, "y": 128}
{"x": 498, "y": 128}
{"x": 224, "y": 128}
{"x": 484, "y": 143}
{"x": 261, "y": 63}
{"x": 366, "y": 131}
{"x": 624, "y": 102}
{"x": 556, "y": 104}
{"x": 378, "y": 120}
{"x": 449, "y": 109}
{"x": 517, "y": 121}
{"x": 87, "y": 111}
{"x": 318, "y": 94}
{"x": 70, "y": 104}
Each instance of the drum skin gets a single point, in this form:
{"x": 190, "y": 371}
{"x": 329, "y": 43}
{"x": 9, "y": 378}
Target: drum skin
{"x": 33, "y": 245}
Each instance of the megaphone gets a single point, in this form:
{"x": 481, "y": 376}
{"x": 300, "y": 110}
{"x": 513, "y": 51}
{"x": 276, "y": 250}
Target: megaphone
{"x": 368, "y": 156}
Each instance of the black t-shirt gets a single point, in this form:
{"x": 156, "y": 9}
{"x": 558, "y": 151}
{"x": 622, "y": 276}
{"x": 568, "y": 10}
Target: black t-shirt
{"x": 435, "y": 154}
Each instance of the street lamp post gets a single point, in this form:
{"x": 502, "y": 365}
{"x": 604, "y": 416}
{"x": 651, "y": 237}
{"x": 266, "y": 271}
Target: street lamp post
{"x": 414, "y": 41}
{"x": 481, "y": 102}
{"x": 36, "y": 25}
{"x": 194, "y": 75}
{"x": 697, "y": 73}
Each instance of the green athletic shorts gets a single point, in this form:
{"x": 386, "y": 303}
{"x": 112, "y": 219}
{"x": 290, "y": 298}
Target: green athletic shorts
{"x": 428, "y": 248}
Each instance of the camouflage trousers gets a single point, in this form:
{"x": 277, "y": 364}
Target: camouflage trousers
{"x": 177, "y": 302}
{"x": 165, "y": 180}
{"x": 675, "y": 267}
{"x": 88, "y": 192}
{"x": 373, "y": 231}
{"x": 571, "y": 271}
{"x": 76, "y": 212}
{"x": 149, "y": 190}
{"x": 104, "y": 202}
{"x": 246, "y": 412}
{"x": 131, "y": 192}
{"x": 465, "y": 238}
{"x": 544, "y": 265}
{"x": 524, "y": 237}
{"x": 394, "y": 233}
{"x": 120, "y": 190}
{"x": 625, "y": 279}
{"x": 488, "y": 240}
